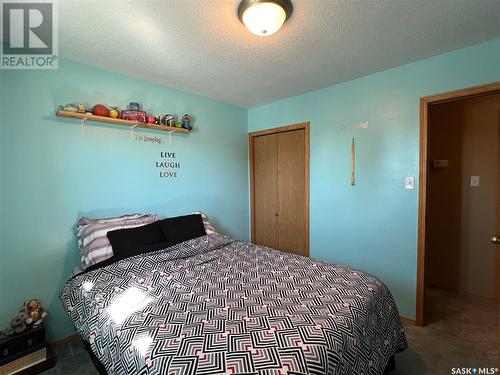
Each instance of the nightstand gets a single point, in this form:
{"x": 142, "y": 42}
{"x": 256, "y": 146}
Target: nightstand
{"x": 26, "y": 353}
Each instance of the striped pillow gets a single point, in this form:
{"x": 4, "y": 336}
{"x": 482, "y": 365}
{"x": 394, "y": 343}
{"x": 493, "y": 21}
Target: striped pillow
{"x": 209, "y": 229}
{"x": 91, "y": 235}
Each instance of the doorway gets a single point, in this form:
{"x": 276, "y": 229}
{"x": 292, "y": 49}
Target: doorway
{"x": 279, "y": 188}
{"x": 459, "y": 180}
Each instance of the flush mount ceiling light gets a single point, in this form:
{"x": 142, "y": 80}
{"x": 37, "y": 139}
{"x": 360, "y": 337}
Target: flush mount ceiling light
{"x": 264, "y": 17}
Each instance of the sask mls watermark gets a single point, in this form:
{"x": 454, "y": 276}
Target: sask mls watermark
{"x": 474, "y": 371}
{"x": 29, "y": 34}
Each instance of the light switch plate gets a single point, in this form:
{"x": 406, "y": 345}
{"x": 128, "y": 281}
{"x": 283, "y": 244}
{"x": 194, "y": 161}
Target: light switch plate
{"x": 474, "y": 181}
{"x": 441, "y": 163}
{"x": 410, "y": 182}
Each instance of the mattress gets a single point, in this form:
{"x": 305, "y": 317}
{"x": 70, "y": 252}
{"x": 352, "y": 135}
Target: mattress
{"x": 214, "y": 305}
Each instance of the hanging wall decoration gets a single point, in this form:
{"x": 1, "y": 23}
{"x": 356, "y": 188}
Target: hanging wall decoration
{"x": 353, "y": 162}
{"x": 361, "y": 125}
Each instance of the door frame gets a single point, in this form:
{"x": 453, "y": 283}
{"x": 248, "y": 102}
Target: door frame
{"x": 251, "y": 136}
{"x": 425, "y": 103}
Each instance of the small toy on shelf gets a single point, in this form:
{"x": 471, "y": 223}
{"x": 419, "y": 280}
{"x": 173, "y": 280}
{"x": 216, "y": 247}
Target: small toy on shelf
{"x": 133, "y": 115}
{"x": 114, "y": 112}
{"x": 100, "y": 110}
{"x": 134, "y": 106}
{"x": 69, "y": 107}
{"x": 186, "y": 122}
{"x": 168, "y": 120}
{"x": 159, "y": 120}
{"x": 82, "y": 108}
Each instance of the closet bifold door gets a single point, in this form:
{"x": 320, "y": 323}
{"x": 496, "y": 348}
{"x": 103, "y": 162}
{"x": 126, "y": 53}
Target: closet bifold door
{"x": 292, "y": 208}
{"x": 265, "y": 154}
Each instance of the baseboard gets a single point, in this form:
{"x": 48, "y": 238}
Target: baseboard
{"x": 408, "y": 321}
{"x": 461, "y": 292}
{"x": 65, "y": 340}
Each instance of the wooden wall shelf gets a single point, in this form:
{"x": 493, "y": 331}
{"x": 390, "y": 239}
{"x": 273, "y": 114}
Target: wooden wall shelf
{"x": 118, "y": 121}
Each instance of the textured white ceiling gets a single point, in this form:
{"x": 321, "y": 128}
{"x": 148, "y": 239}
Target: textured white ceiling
{"x": 199, "y": 46}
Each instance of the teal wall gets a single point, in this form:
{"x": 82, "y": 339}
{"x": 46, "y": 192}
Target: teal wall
{"x": 50, "y": 174}
{"x": 373, "y": 225}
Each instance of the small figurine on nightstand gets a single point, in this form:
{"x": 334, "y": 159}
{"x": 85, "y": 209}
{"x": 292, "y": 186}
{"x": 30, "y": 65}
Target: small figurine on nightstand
{"x": 31, "y": 315}
{"x": 186, "y": 122}
{"x": 23, "y": 347}
{"x": 36, "y": 312}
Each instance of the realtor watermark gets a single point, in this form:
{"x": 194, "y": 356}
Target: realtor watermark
{"x": 29, "y": 34}
{"x": 474, "y": 371}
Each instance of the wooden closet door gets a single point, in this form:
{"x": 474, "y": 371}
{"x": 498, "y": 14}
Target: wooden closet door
{"x": 265, "y": 154}
{"x": 291, "y": 192}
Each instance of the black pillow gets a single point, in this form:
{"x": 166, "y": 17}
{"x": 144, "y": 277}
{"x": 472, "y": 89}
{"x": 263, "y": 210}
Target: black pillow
{"x": 182, "y": 228}
{"x": 141, "y": 249}
{"x": 133, "y": 241}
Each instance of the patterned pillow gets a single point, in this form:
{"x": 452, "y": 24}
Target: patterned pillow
{"x": 208, "y": 227}
{"x": 91, "y": 235}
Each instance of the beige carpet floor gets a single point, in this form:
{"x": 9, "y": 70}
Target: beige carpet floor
{"x": 461, "y": 332}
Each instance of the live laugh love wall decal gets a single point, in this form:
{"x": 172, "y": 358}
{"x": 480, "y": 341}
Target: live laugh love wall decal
{"x": 168, "y": 165}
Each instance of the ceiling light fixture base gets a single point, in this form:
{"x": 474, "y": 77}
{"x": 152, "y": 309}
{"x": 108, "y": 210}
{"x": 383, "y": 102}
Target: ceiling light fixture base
{"x": 245, "y": 4}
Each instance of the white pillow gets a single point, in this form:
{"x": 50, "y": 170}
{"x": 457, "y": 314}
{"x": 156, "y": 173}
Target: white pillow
{"x": 91, "y": 235}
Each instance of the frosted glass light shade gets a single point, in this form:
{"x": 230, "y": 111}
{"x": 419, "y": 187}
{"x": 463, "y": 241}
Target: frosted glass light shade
{"x": 264, "y": 17}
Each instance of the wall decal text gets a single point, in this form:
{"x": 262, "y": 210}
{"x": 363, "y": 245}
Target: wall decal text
{"x": 168, "y": 166}
{"x": 147, "y": 138}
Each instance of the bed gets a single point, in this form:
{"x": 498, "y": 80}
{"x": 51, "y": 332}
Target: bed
{"x": 215, "y": 305}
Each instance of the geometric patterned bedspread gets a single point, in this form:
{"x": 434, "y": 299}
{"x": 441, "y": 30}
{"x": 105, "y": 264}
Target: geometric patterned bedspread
{"x": 213, "y": 305}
